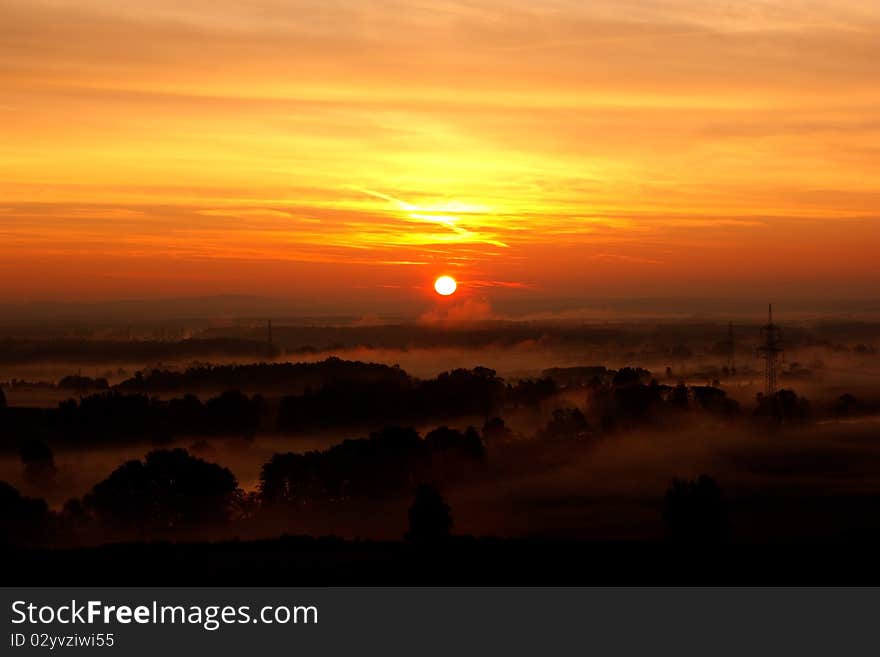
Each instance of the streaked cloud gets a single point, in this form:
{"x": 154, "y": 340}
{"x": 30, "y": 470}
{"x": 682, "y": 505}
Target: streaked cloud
{"x": 554, "y": 143}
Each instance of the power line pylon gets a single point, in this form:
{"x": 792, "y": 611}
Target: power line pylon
{"x": 770, "y": 352}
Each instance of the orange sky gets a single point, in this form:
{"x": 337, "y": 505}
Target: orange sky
{"x": 357, "y": 149}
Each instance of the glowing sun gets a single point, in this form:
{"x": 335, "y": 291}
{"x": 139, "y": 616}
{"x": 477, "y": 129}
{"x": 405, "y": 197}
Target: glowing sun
{"x": 445, "y": 285}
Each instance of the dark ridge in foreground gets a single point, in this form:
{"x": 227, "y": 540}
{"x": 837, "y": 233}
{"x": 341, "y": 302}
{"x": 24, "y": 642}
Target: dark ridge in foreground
{"x": 329, "y": 561}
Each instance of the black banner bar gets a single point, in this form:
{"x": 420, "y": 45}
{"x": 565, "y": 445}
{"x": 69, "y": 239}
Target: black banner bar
{"x": 419, "y": 621}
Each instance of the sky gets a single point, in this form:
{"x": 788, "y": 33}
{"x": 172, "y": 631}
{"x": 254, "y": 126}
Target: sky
{"x": 355, "y": 150}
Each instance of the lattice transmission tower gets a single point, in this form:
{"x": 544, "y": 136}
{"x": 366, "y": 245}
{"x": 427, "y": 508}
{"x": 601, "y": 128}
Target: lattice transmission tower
{"x": 770, "y": 352}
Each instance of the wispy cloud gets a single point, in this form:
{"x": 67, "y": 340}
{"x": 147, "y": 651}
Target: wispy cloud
{"x": 567, "y": 144}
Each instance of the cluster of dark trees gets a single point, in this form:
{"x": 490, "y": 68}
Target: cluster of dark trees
{"x": 168, "y": 494}
{"x": 117, "y": 414}
{"x": 388, "y": 463}
{"x": 566, "y": 424}
{"x": 848, "y": 405}
{"x": 23, "y": 520}
{"x": 172, "y": 494}
{"x": 78, "y": 382}
{"x": 336, "y": 392}
{"x": 167, "y": 491}
{"x": 452, "y": 394}
{"x": 631, "y": 396}
{"x": 363, "y": 396}
{"x": 347, "y": 395}
{"x": 629, "y": 401}
{"x": 783, "y": 406}
{"x": 287, "y": 377}
{"x": 113, "y": 417}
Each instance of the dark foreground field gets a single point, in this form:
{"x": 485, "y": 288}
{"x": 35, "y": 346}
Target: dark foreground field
{"x": 305, "y": 561}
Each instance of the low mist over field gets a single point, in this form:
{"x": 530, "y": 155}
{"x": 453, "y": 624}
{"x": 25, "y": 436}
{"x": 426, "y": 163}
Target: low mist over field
{"x": 558, "y": 430}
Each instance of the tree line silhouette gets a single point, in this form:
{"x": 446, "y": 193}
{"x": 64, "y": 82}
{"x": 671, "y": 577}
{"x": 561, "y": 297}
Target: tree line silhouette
{"x": 387, "y": 463}
{"x": 352, "y": 395}
{"x": 290, "y": 377}
{"x": 357, "y": 395}
{"x": 116, "y": 418}
{"x": 171, "y": 494}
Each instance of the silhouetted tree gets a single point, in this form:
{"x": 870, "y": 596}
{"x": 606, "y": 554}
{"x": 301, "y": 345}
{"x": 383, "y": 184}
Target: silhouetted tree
{"x": 531, "y": 392}
{"x": 386, "y": 463}
{"x": 495, "y": 433}
{"x": 714, "y": 400}
{"x": 454, "y": 454}
{"x": 566, "y": 424}
{"x": 849, "y": 404}
{"x": 634, "y": 403}
{"x": 78, "y": 522}
{"x": 461, "y": 392}
{"x": 630, "y": 376}
{"x": 467, "y": 443}
{"x": 783, "y": 406}
{"x": 23, "y": 520}
{"x": 38, "y": 461}
{"x": 234, "y": 412}
{"x": 679, "y": 397}
{"x": 430, "y": 518}
{"x": 76, "y": 382}
{"x": 695, "y": 512}
{"x": 169, "y": 490}
{"x": 600, "y": 403}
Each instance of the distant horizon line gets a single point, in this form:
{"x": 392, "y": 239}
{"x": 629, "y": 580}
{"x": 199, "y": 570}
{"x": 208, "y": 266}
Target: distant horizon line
{"x": 254, "y": 308}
